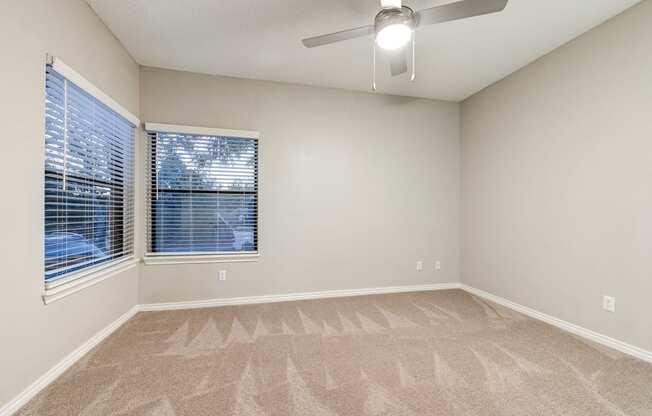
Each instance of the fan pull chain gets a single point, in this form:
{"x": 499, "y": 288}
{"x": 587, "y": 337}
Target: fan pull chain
{"x": 414, "y": 74}
{"x": 373, "y": 74}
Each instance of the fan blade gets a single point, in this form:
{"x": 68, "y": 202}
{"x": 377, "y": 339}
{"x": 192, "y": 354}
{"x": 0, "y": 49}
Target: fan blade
{"x": 390, "y": 4}
{"x": 459, "y": 10}
{"x": 398, "y": 62}
{"x": 338, "y": 36}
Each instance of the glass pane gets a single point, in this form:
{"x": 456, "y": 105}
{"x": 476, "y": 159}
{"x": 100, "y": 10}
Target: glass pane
{"x": 205, "y": 194}
{"x": 88, "y": 170}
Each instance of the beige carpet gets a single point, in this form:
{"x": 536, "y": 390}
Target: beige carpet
{"x": 426, "y": 353}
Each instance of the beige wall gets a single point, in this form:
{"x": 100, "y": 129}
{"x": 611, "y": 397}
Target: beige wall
{"x": 35, "y": 337}
{"x": 355, "y": 187}
{"x": 557, "y": 181}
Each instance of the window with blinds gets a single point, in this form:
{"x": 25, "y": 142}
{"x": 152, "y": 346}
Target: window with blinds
{"x": 89, "y": 182}
{"x": 203, "y": 194}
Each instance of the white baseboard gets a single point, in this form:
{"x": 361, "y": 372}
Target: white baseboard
{"x": 566, "y": 326}
{"x": 294, "y": 296}
{"x": 19, "y": 401}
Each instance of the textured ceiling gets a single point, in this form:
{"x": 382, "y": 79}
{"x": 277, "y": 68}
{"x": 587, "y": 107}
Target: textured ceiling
{"x": 260, "y": 39}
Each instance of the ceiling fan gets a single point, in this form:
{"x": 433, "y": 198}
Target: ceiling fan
{"x": 395, "y": 24}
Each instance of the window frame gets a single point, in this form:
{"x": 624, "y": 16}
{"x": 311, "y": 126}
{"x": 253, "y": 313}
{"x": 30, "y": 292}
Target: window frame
{"x": 156, "y": 258}
{"x": 75, "y": 281}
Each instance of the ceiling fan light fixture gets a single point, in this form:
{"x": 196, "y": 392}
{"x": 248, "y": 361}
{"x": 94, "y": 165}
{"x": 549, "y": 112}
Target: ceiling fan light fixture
{"x": 394, "y": 27}
{"x": 394, "y": 36}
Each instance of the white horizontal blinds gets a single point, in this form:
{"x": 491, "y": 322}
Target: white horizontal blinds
{"x": 89, "y": 180}
{"x": 203, "y": 195}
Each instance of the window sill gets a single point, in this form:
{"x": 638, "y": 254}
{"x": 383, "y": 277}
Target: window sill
{"x": 156, "y": 259}
{"x": 87, "y": 280}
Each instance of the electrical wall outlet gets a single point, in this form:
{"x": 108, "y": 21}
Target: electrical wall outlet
{"x": 419, "y": 265}
{"x": 609, "y": 303}
{"x": 437, "y": 265}
{"x": 222, "y": 274}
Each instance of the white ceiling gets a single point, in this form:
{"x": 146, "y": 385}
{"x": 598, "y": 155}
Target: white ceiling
{"x": 260, "y": 39}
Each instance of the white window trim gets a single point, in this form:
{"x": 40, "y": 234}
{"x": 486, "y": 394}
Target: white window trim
{"x": 202, "y": 131}
{"x": 152, "y": 259}
{"x": 73, "y": 283}
{"x": 77, "y": 79}
{"x": 86, "y": 278}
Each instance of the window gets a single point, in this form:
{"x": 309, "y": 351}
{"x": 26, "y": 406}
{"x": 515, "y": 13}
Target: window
{"x": 203, "y": 191}
{"x": 89, "y": 182}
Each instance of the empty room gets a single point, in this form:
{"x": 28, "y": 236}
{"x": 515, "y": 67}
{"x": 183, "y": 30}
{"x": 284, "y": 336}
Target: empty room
{"x": 326, "y": 208}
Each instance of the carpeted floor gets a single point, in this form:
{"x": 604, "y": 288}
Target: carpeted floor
{"x": 426, "y": 353}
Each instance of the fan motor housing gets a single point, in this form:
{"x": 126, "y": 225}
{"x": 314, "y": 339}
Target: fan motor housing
{"x": 403, "y": 16}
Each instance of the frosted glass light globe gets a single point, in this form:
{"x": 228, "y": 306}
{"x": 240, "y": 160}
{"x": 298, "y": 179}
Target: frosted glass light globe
{"x": 394, "y": 36}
